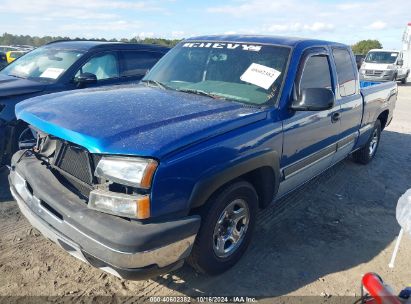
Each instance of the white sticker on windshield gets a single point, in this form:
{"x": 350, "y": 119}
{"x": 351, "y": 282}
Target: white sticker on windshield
{"x": 260, "y": 75}
{"x": 394, "y": 54}
{"x": 53, "y": 73}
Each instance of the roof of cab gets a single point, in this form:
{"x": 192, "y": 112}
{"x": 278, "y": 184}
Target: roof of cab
{"x": 275, "y": 40}
{"x": 89, "y": 44}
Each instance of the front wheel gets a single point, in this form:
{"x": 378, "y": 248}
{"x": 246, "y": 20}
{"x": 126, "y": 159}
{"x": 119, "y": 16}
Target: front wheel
{"x": 367, "y": 153}
{"x": 228, "y": 221}
{"x": 394, "y": 77}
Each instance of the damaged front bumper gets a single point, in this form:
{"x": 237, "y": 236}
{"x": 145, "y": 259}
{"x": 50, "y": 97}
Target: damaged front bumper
{"x": 127, "y": 249}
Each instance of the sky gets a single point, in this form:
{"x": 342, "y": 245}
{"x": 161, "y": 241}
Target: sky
{"x": 337, "y": 20}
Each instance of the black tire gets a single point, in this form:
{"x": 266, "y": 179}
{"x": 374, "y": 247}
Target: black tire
{"x": 394, "y": 77}
{"x": 14, "y": 141}
{"x": 203, "y": 257}
{"x": 367, "y": 153}
{"x": 404, "y": 80}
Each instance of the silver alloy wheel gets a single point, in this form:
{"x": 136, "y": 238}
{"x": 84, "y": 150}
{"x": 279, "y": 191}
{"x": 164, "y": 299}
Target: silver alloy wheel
{"x": 27, "y": 139}
{"x": 374, "y": 143}
{"x": 231, "y": 227}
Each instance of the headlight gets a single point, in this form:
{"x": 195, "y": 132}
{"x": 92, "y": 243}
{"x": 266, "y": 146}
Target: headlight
{"x": 132, "y": 206}
{"x": 129, "y": 171}
{"x": 362, "y": 72}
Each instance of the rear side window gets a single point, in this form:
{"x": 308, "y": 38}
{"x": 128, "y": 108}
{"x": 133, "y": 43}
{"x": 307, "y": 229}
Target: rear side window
{"x": 316, "y": 73}
{"x": 137, "y": 63}
{"x": 345, "y": 72}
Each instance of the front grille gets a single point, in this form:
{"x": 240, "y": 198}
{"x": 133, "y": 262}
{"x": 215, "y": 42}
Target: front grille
{"x": 75, "y": 161}
{"x": 373, "y": 72}
{"x": 76, "y": 166}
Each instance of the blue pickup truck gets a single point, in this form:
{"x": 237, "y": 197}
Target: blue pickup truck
{"x": 137, "y": 179}
{"x": 62, "y": 66}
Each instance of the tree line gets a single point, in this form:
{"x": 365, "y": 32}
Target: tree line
{"x": 361, "y": 47}
{"x": 10, "y": 39}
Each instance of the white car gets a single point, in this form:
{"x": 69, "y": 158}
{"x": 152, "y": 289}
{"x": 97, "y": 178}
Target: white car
{"x": 384, "y": 65}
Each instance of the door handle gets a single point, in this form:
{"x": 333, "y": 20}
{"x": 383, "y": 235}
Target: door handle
{"x": 335, "y": 117}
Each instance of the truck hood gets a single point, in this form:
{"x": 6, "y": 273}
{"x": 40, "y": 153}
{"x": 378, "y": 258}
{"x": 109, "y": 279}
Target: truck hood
{"x": 10, "y": 86}
{"x": 134, "y": 120}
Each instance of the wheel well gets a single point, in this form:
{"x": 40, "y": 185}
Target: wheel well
{"x": 383, "y": 118}
{"x": 263, "y": 180}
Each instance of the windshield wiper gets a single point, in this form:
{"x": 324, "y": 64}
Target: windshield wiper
{"x": 201, "y": 92}
{"x": 156, "y": 83}
{"x": 12, "y": 75}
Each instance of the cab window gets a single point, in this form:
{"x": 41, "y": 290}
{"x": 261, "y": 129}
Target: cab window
{"x": 345, "y": 72}
{"x": 316, "y": 73}
{"x": 137, "y": 63}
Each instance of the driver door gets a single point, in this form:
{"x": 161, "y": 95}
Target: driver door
{"x": 310, "y": 137}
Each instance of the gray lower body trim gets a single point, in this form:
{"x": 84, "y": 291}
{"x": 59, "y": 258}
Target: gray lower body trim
{"x": 307, "y": 168}
{"x": 308, "y": 161}
{"x": 316, "y": 157}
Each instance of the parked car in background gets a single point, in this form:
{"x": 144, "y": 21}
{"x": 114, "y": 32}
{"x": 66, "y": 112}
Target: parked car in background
{"x": 6, "y": 48}
{"x": 3, "y": 60}
{"x": 24, "y": 47}
{"x": 62, "y": 66}
{"x": 384, "y": 65}
{"x": 359, "y": 59}
{"x": 134, "y": 180}
{"x": 13, "y": 55}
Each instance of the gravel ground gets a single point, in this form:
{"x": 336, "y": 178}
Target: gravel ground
{"x": 319, "y": 241}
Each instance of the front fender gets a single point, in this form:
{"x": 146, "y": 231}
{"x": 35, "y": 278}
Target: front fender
{"x": 205, "y": 188}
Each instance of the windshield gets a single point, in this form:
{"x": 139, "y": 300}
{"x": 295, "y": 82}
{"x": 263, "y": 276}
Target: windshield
{"x": 381, "y": 57}
{"x": 248, "y": 73}
{"x": 42, "y": 64}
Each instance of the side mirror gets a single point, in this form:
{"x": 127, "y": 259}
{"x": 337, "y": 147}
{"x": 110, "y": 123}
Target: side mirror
{"x": 314, "y": 99}
{"x": 85, "y": 79}
{"x": 400, "y": 62}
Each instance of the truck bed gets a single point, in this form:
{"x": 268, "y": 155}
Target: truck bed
{"x": 377, "y": 96}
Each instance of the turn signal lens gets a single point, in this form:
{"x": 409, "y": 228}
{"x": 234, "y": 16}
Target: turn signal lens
{"x": 132, "y": 206}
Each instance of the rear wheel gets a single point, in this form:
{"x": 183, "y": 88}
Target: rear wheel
{"x": 404, "y": 80}
{"x": 367, "y": 153}
{"x": 228, "y": 221}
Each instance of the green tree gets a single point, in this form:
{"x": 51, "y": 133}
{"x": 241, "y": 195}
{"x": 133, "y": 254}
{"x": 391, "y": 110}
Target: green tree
{"x": 10, "y": 39}
{"x": 362, "y": 47}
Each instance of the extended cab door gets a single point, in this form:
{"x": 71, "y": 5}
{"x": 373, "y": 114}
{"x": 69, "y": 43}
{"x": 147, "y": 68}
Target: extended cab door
{"x": 310, "y": 137}
{"x": 348, "y": 96}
